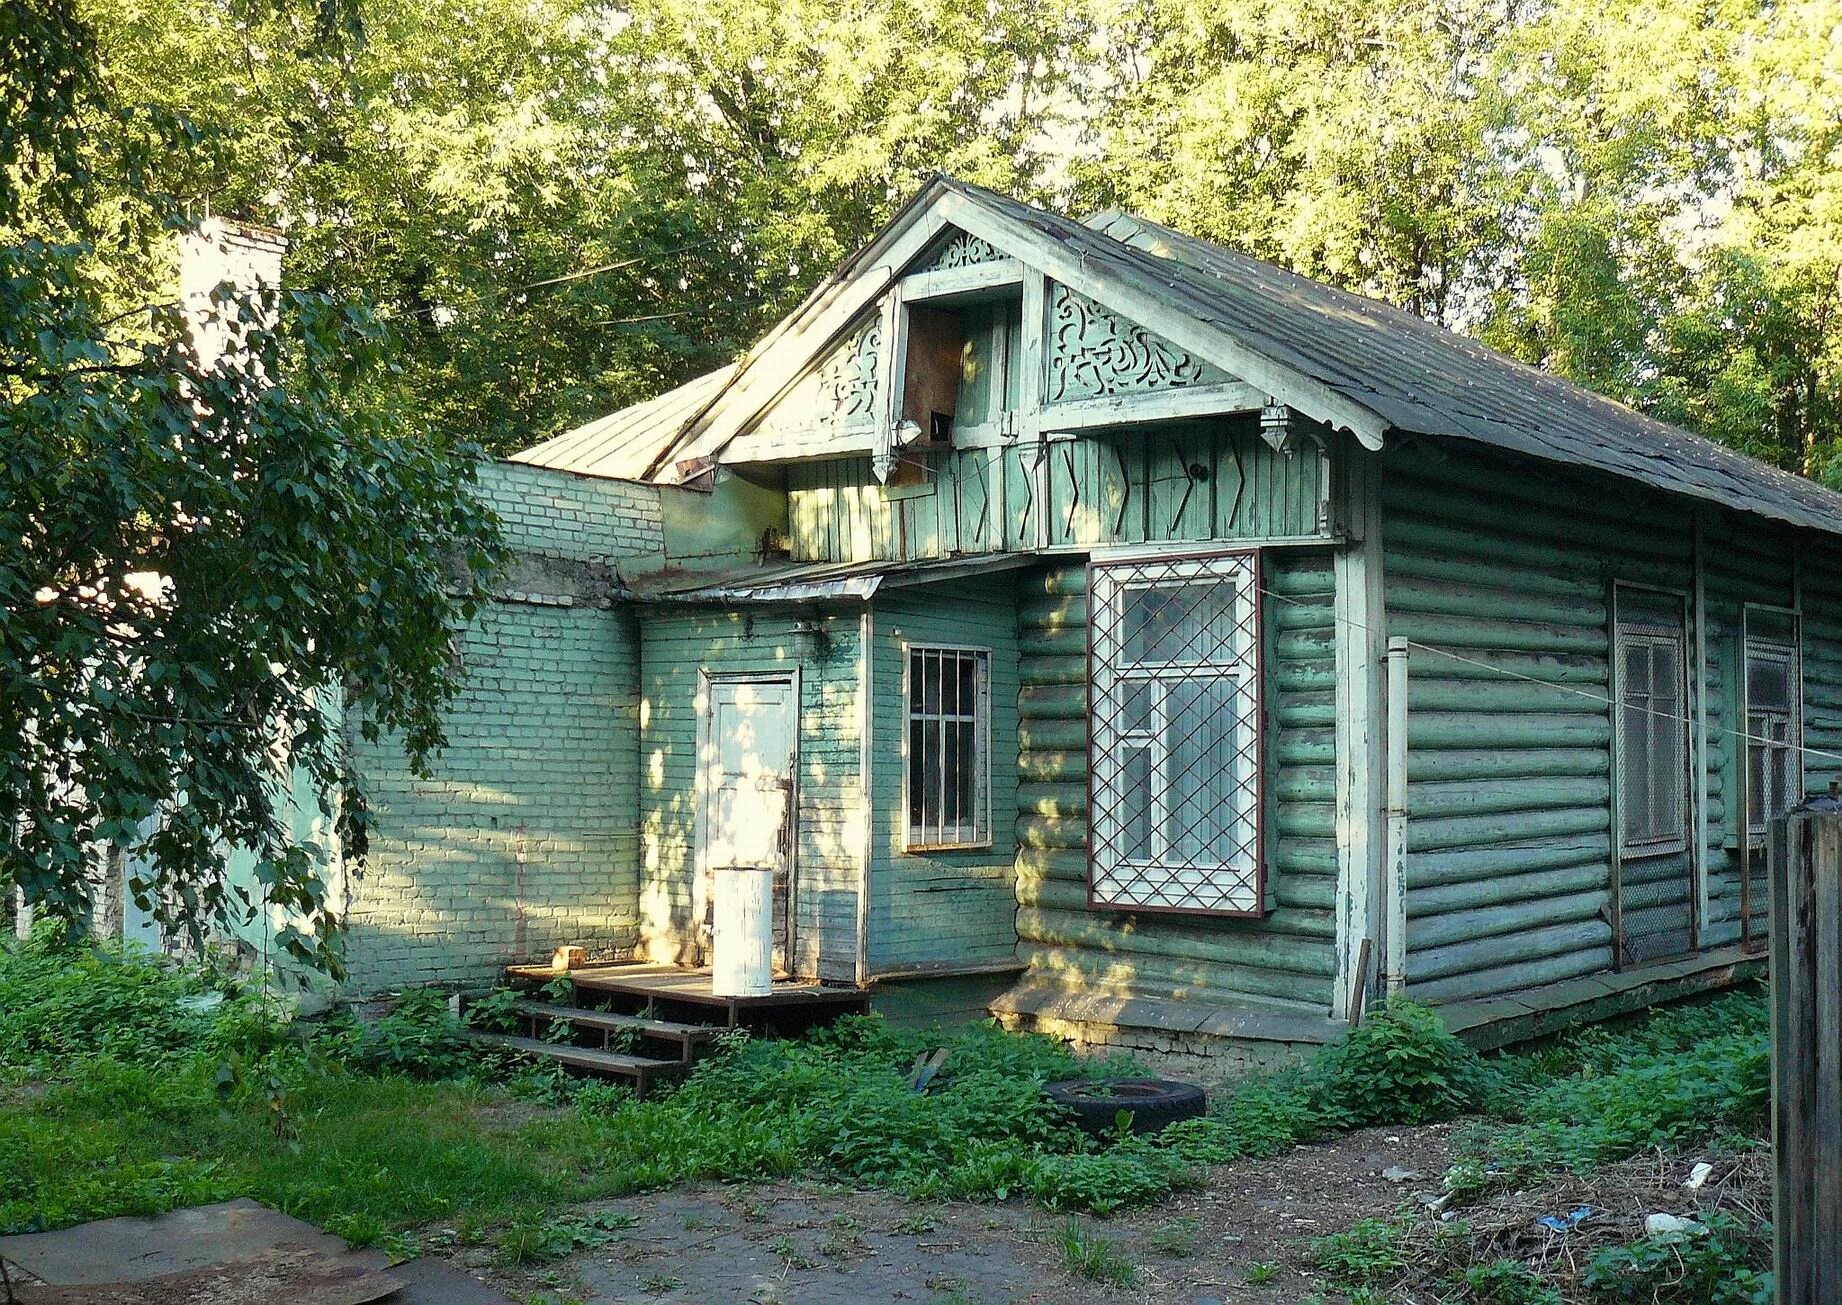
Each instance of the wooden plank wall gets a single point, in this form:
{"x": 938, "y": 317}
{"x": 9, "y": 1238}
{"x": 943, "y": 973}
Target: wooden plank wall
{"x": 1284, "y": 961}
{"x": 675, "y": 645}
{"x": 1182, "y": 481}
{"x": 1509, "y": 563}
{"x": 942, "y": 908}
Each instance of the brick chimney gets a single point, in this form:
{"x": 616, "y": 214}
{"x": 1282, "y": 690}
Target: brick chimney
{"x": 215, "y": 252}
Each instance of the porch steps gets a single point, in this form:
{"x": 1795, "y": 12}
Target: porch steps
{"x": 688, "y": 1038}
{"x": 640, "y": 1070}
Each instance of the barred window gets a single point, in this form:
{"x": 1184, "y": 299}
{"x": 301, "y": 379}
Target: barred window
{"x": 1774, "y": 769}
{"x": 949, "y": 731}
{"x": 1174, "y": 744}
{"x": 1653, "y": 737}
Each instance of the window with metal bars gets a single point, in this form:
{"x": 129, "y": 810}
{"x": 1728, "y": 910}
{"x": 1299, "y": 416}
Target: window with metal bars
{"x": 1653, "y": 738}
{"x": 949, "y": 731}
{"x": 1774, "y": 760}
{"x": 1175, "y": 734}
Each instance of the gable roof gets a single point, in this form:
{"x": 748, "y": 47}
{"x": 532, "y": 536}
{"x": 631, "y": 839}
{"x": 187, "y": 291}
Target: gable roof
{"x": 1355, "y": 363}
{"x": 625, "y": 445}
{"x": 1432, "y": 381}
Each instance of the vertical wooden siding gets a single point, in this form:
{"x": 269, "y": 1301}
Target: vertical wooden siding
{"x": 942, "y": 908}
{"x": 1286, "y": 959}
{"x": 676, "y": 644}
{"x": 1509, "y": 564}
{"x": 1182, "y": 481}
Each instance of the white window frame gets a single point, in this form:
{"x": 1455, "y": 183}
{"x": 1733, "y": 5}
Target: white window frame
{"x": 1110, "y": 873}
{"x": 1791, "y": 655}
{"x": 1650, "y": 634}
{"x": 963, "y": 835}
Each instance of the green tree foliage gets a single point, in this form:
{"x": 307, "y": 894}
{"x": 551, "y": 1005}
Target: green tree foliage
{"x": 202, "y": 559}
{"x": 464, "y": 162}
{"x": 1644, "y": 197}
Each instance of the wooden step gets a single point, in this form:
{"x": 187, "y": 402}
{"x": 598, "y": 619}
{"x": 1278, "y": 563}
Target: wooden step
{"x": 689, "y": 1037}
{"x": 641, "y": 1069}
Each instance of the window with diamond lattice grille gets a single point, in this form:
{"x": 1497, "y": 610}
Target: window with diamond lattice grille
{"x": 1174, "y": 734}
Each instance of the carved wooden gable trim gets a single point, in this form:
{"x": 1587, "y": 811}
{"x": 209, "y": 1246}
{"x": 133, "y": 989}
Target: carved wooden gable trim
{"x": 964, "y": 250}
{"x": 837, "y": 399}
{"x": 1095, "y": 353}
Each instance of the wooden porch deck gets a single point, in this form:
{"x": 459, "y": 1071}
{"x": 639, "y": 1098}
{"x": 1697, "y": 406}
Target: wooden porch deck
{"x": 676, "y": 992}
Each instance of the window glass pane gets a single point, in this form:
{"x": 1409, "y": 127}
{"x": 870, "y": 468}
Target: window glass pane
{"x": 1757, "y": 769}
{"x": 953, "y": 773}
{"x": 1134, "y": 799}
{"x": 1636, "y": 767}
{"x": 1183, "y": 623}
{"x": 917, "y": 773}
{"x": 1768, "y": 681}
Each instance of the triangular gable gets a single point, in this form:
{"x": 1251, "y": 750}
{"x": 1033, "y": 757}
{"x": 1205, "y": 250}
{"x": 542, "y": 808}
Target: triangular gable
{"x": 1118, "y": 310}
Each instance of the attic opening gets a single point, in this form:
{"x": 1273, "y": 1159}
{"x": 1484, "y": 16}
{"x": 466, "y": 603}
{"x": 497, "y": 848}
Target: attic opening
{"x": 962, "y": 369}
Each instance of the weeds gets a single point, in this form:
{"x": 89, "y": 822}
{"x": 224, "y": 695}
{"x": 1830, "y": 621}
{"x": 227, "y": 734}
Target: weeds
{"x": 1093, "y": 1258}
{"x": 1715, "y": 1266}
{"x": 1176, "y": 1237}
{"x": 1367, "y": 1253}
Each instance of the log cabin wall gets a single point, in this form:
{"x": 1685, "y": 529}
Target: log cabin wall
{"x": 1513, "y": 569}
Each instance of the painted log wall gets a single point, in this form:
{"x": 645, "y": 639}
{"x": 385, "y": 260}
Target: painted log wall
{"x": 1820, "y": 582}
{"x": 942, "y": 909}
{"x": 1744, "y": 561}
{"x": 1180, "y": 481}
{"x": 676, "y": 644}
{"x": 1284, "y": 960}
{"x": 1509, "y": 564}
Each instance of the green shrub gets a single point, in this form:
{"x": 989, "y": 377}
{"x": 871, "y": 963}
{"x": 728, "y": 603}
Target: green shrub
{"x": 65, "y": 1004}
{"x": 1366, "y": 1253}
{"x": 1713, "y": 1267}
{"x": 1507, "y": 1282}
{"x": 1399, "y": 1066}
{"x": 419, "y": 1036}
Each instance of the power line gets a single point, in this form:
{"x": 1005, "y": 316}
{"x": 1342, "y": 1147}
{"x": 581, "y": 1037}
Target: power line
{"x": 567, "y": 278}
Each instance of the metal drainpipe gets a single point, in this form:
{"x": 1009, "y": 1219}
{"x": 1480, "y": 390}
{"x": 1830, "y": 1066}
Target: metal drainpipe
{"x": 1394, "y": 875}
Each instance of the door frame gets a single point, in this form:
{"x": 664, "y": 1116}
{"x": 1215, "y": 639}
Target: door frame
{"x": 707, "y": 681}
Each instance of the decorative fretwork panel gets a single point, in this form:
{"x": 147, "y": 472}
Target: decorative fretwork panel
{"x": 1094, "y": 353}
{"x": 847, "y": 381}
{"x": 1175, "y": 745}
{"x": 963, "y": 250}
{"x": 839, "y": 395}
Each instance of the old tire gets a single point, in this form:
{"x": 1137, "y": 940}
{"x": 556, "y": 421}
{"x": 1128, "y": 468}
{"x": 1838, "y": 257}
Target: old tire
{"x": 1152, "y": 1103}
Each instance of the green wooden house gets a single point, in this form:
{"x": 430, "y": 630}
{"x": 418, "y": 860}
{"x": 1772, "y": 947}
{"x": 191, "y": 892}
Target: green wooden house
{"x": 1106, "y": 629}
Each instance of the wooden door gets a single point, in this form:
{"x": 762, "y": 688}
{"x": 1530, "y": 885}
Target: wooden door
{"x": 750, "y": 748}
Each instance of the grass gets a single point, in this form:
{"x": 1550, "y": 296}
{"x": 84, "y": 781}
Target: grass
{"x": 1093, "y": 1258}
{"x": 130, "y": 1088}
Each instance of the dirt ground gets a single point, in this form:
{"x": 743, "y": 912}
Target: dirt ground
{"x": 797, "y": 1244}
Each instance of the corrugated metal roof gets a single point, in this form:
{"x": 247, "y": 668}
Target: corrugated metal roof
{"x": 625, "y": 444}
{"x": 1421, "y": 377}
{"x": 802, "y": 582}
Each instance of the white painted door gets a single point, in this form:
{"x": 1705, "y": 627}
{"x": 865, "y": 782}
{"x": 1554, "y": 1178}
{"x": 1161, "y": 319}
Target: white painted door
{"x": 750, "y": 747}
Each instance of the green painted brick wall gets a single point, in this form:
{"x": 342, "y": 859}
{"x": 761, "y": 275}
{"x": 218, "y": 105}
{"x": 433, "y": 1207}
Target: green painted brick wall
{"x": 525, "y": 837}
